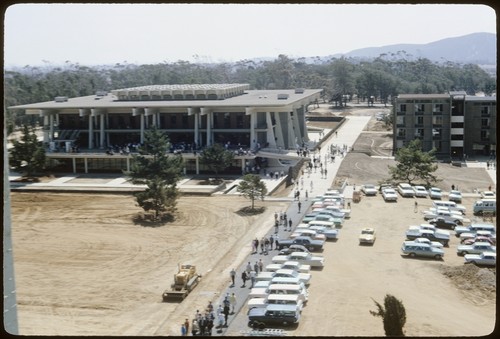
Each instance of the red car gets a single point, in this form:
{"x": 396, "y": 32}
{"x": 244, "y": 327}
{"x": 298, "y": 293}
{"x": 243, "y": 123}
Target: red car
{"x": 478, "y": 239}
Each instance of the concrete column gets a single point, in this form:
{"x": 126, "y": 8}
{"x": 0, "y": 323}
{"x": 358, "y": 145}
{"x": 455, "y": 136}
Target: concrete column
{"x": 253, "y": 141}
{"x": 74, "y": 165}
{"x": 46, "y": 134}
{"x": 102, "y": 135}
{"x": 296, "y": 127}
{"x": 242, "y": 166}
{"x": 197, "y": 165}
{"x": 270, "y": 134}
{"x": 51, "y": 127}
{"x": 197, "y": 129}
{"x": 142, "y": 128}
{"x": 86, "y": 165}
{"x": 278, "y": 130}
{"x": 128, "y": 164}
{"x": 91, "y": 132}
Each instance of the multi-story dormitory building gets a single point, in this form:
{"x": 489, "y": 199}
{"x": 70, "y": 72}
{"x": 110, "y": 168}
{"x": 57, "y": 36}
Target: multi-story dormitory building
{"x": 457, "y": 125}
{"x": 193, "y": 116}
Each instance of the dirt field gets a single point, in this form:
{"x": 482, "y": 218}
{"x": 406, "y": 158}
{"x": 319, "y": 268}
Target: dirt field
{"x": 84, "y": 268}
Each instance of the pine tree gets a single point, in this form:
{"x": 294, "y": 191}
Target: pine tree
{"x": 159, "y": 172}
{"x": 252, "y": 187}
{"x": 393, "y": 314}
{"x": 216, "y": 158}
{"x": 27, "y": 155}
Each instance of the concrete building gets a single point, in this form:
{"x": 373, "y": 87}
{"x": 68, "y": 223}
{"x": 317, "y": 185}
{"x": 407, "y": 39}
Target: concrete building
{"x": 193, "y": 116}
{"x": 455, "y": 124}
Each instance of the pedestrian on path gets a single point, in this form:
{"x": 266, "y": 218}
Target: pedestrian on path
{"x": 277, "y": 241}
{"x": 271, "y": 242}
{"x": 248, "y": 268}
{"x": 299, "y": 204}
{"x": 232, "y": 301}
{"x": 290, "y": 224}
{"x": 416, "y": 207}
{"x": 252, "y": 278}
{"x": 307, "y": 195}
{"x": 233, "y": 276}
{"x": 325, "y": 173}
{"x": 261, "y": 265}
{"x": 244, "y": 277}
{"x": 276, "y": 226}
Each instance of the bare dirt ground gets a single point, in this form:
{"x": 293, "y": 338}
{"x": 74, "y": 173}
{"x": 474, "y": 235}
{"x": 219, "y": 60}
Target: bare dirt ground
{"x": 83, "y": 267}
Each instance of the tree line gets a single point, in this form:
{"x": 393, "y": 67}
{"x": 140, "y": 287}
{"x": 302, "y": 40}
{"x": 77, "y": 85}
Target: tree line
{"x": 381, "y": 78}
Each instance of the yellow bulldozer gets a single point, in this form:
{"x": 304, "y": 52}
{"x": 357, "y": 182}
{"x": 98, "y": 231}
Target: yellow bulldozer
{"x": 185, "y": 280}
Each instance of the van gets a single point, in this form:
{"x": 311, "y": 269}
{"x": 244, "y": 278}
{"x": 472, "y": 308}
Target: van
{"x": 485, "y": 205}
{"x": 299, "y": 290}
{"x": 451, "y": 205}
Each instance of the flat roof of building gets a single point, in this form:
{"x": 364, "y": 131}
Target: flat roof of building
{"x": 247, "y": 98}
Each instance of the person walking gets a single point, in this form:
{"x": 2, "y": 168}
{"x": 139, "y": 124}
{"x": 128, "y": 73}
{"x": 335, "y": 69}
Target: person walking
{"x": 248, "y": 268}
{"x": 261, "y": 265}
{"x": 183, "y": 330}
{"x": 276, "y": 241}
{"x": 233, "y": 276}
{"x": 232, "y": 301}
{"x": 244, "y": 277}
{"x": 290, "y": 224}
{"x": 256, "y": 267}
{"x": 416, "y": 207}
{"x": 186, "y": 324}
{"x": 307, "y": 195}
{"x": 252, "y": 278}
{"x": 299, "y": 205}
{"x": 195, "y": 327}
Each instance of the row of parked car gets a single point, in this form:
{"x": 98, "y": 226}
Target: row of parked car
{"x": 280, "y": 291}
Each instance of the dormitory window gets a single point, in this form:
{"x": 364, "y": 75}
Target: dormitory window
{"x": 401, "y": 132}
{"x": 485, "y": 135}
{"x": 400, "y": 120}
{"x": 402, "y": 108}
{"x": 436, "y": 132}
{"x": 419, "y": 133}
{"x": 420, "y": 120}
{"x": 485, "y": 110}
{"x": 485, "y": 123}
{"x": 419, "y": 107}
{"x": 437, "y": 120}
{"x": 438, "y": 108}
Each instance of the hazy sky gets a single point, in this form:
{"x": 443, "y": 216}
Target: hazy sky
{"x": 90, "y": 34}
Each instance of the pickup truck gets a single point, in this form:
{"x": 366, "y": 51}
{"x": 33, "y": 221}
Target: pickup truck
{"x": 441, "y": 237}
{"x": 311, "y": 244}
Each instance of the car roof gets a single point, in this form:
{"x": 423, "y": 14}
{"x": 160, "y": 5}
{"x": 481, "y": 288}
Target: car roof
{"x": 284, "y": 287}
{"x": 482, "y": 243}
{"x": 281, "y": 307}
{"x": 490, "y": 253}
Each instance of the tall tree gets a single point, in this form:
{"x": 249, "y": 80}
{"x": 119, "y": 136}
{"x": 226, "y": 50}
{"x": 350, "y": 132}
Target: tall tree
{"x": 252, "y": 187}
{"x": 27, "y": 155}
{"x": 216, "y": 158}
{"x": 414, "y": 164}
{"x": 159, "y": 172}
{"x": 393, "y": 314}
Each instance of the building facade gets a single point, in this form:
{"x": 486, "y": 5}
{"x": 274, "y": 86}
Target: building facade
{"x": 457, "y": 125}
{"x": 193, "y": 116}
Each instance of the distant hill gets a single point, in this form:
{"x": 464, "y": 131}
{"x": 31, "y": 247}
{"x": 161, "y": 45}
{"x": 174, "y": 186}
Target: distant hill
{"x": 475, "y": 48}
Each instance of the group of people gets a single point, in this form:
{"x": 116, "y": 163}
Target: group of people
{"x": 203, "y": 324}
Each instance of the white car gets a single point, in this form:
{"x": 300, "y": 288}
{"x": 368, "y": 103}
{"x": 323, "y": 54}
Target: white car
{"x": 301, "y": 257}
{"x": 427, "y": 241}
{"x": 308, "y": 232}
{"x": 367, "y": 236}
{"x": 389, "y": 194}
{"x": 455, "y": 196}
{"x": 290, "y": 265}
{"x": 369, "y": 189}
{"x": 456, "y": 218}
{"x": 435, "y": 193}
{"x": 406, "y": 190}
{"x": 420, "y": 191}
{"x": 488, "y": 195}
{"x": 328, "y": 232}
{"x": 484, "y": 258}
{"x": 304, "y": 277}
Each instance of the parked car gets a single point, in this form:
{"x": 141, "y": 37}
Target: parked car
{"x": 450, "y": 205}
{"x": 367, "y": 236}
{"x": 291, "y": 265}
{"x": 435, "y": 193}
{"x": 273, "y": 315}
{"x": 286, "y": 273}
{"x": 479, "y": 238}
{"x": 307, "y": 233}
{"x": 303, "y": 258}
{"x": 329, "y": 233}
{"x": 413, "y": 234}
{"x": 475, "y": 248}
{"x": 488, "y": 195}
{"x": 389, "y": 194}
{"x": 473, "y": 228}
{"x": 369, "y": 189}
{"x": 414, "y": 249}
{"x": 406, "y": 190}
{"x": 281, "y": 299}
{"x": 428, "y": 242}
{"x": 482, "y": 259}
{"x": 306, "y": 241}
{"x": 309, "y": 216}
{"x": 345, "y": 211}
{"x": 443, "y": 223}
{"x": 430, "y": 214}
{"x": 420, "y": 191}
{"x": 471, "y": 235}
{"x": 293, "y": 248}
{"x": 484, "y": 205}
{"x": 455, "y": 196}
